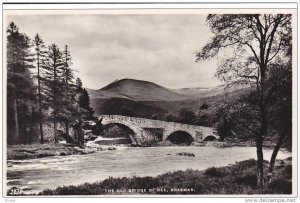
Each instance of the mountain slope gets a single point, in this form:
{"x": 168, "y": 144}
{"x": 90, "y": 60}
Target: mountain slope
{"x": 139, "y": 90}
{"x": 202, "y": 92}
{"x": 104, "y": 94}
{"x": 146, "y": 99}
{"x": 119, "y": 106}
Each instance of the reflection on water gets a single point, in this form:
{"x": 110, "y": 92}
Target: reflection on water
{"x": 37, "y": 174}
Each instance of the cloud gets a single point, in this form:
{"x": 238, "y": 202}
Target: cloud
{"x": 157, "y": 48}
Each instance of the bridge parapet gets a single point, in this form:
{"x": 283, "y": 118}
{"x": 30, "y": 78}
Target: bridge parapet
{"x": 150, "y": 122}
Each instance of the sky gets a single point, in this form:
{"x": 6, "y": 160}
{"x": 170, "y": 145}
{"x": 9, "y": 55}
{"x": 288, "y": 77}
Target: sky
{"x": 154, "y": 47}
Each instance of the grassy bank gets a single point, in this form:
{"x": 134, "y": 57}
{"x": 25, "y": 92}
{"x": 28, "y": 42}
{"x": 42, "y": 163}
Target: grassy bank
{"x": 239, "y": 178}
{"x": 45, "y": 150}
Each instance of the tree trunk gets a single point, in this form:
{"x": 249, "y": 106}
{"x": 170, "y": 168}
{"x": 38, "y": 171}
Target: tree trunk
{"x": 67, "y": 128}
{"x": 275, "y": 151}
{"x": 22, "y": 125}
{"x": 273, "y": 158}
{"x": 21, "y": 130}
{"x": 76, "y": 136}
{"x": 15, "y": 123}
{"x": 40, "y": 102}
{"x": 263, "y": 131}
{"x": 55, "y": 132}
{"x": 32, "y": 125}
{"x": 260, "y": 162}
{"x": 30, "y": 133}
{"x": 80, "y": 138}
{"x": 41, "y": 132}
{"x": 40, "y": 116}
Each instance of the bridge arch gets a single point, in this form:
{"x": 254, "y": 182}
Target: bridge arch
{"x": 180, "y": 137}
{"x": 131, "y": 131}
{"x": 210, "y": 138}
{"x": 121, "y": 125}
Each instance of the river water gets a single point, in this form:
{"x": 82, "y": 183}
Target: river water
{"x": 35, "y": 175}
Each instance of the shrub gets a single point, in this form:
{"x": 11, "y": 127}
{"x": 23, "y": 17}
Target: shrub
{"x": 281, "y": 186}
{"x": 289, "y": 158}
{"x": 288, "y": 171}
{"x": 169, "y": 118}
{"x": 247, "y": 179}
{"x": 47, "y": 192}
{"x": 224, "y": 127}
{"x": 204, "y": 106}
{"x": 215, "y": 172}
{"x": 155, "y": 117}
{"x": 143, "y": 182}
{"x": 247, "y": 163}
{"x": 186, "y": 116}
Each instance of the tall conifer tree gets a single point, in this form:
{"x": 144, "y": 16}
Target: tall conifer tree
{"x": 40, "y": 59}
{"x": 54, "y": 67}
{"x": 70, "y": 110}
{"x": 20, "y": 87}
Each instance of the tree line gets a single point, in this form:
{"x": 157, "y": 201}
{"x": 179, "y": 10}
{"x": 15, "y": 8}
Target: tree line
{"x": 41, "y": 88}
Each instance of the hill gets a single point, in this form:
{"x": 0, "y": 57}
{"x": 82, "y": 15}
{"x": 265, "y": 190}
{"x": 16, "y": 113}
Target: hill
{"x": 137, "y": 90}
{"x": 204, "y": 92}
{"x": 94, "y": 94}
{"x": 146, "y": 99}
{"x": 123, "y": 106}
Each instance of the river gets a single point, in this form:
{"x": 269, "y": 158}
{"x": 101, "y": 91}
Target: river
{"x": 34, "y": 175}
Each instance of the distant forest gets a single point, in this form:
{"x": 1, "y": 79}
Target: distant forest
{"x": 41, "y": 89}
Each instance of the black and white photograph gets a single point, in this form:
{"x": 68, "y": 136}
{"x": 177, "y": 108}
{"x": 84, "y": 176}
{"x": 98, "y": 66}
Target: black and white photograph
{"x": 150, "y": 102}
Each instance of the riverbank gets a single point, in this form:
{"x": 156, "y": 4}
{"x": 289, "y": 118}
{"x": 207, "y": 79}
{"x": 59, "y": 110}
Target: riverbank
{"x": 239, "y": 178}
{"x": 228, "y": 143}
{"x": 33, "y": 151}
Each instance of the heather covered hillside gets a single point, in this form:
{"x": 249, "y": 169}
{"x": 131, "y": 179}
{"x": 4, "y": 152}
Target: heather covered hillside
{"x": 140, "y": 90}
{"x": 146, "y": 99}
{"x": 124, "y": 106}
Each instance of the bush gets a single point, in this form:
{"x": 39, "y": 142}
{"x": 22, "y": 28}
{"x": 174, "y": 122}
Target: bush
{"x": 215, "y": 172}
{"x": 288, "y": 171}
{"x": 224, "y": 127}
{"x": 186, "y": 116}
{"x": 247, "y": 163}
{"x": 169, "y": 118}
{"x": 247, "y": 179}
{"x": 155, "y": 117}
{"x": 203, "y": 106}
{"x": 281, "y": 186}
{"x": 143, "y": 182}
{"x": 203, "y": 119}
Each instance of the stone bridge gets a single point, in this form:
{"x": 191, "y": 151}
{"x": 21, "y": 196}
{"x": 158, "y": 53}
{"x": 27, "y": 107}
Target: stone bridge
{"x": 148, "y": 130}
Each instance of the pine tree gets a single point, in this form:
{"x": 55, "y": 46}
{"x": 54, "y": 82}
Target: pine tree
{"x": 78, "y": 85}
{"x": 84, "y": 102}
{"x": 71, "y": 107}
{"x": 54, "y": 67}
{"x": 20, "y": 87}
{"x": 40, "y": 59}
